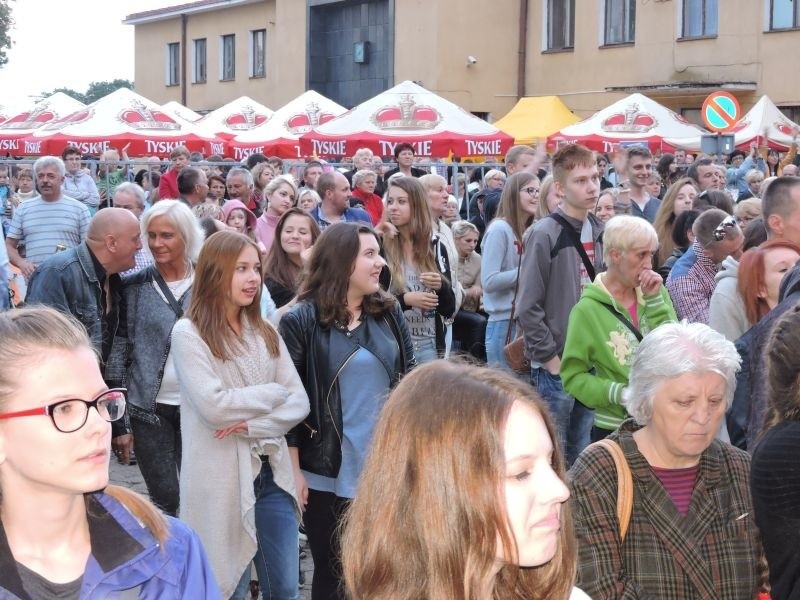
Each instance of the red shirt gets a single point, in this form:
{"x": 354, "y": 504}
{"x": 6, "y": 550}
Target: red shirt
{"x": 168, "y": 186}
{"x": 372, "y": 204}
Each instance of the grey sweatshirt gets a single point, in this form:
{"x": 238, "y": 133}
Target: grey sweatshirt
{"x": 498, "y": 269}
{"x": 549, "y": 284}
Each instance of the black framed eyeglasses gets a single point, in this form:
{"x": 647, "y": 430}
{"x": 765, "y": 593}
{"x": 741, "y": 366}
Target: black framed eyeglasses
{"x": 70, "y": 415}
{"x": 721, "y": 232}
{"x": 532, "y": 191}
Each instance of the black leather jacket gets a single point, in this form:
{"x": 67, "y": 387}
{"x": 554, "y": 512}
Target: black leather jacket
{"x": 319, "y": 357}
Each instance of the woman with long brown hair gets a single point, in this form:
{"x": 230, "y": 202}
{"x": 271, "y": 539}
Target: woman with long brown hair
{"x": 240, "y": 396}
{"x": 64, "y": 532}
{"x": 419, "y": 272}
{"x": 350, "y": 344}
{"x": 502, "y": 251}
{"x": 677, "y": 199}
{"x": 296, "y": 232}
{"x": 467, "y": 484}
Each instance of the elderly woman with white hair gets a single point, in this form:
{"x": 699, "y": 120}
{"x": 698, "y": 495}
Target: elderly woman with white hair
{"x": 690, "y": 529}
{"x": 141, "y": 360}
{"x": 364, "y": 182}
{"x": 623, "y": 304}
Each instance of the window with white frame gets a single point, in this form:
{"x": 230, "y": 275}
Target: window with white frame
{"x": 560, "y": 24}
{"x": 699, "y": 18}
{"x": 227, "y": 57}
{"x": 173, "y": 64}
{"x": 258, "y": 53}
{"x": 620, "y": 22}
{"x": 200, "y": 71}
{"x": 784, "y": 14}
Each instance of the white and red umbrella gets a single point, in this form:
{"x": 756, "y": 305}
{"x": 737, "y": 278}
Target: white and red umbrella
{"x": 185, "y": 113}
{"x": 633, "y": 120}
{"x": 14, "y": 129}
{"x": 280, "y": 136}
{"x": 235, "y": 117}
{"x": 123, "y": 117}
{"x": 407, "y": 113}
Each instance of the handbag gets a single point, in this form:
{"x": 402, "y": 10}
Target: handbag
{"x": 624, "y": 484}
{"x": 514, "y": 350}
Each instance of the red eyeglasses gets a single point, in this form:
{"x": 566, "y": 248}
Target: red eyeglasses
{"x": 70, "y": 415}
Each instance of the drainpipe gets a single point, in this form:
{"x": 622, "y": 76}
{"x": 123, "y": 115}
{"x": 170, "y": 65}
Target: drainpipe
{"x": 523, "y": 47}
{"x": 184, "y": 52}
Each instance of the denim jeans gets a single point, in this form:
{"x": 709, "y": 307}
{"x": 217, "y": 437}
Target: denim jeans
{"x": 425, "y": 351}
{"x": 277, "y": 559}
{"x": 572, "y": 419}
{"x": 496, "y": 332}
{"x": 158, "y": 452}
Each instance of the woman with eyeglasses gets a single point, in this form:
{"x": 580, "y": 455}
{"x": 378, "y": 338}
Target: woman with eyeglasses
{"x": 240, "y": 396}
{"x": 502, "y": 251}
{"x": 64, "y": 532}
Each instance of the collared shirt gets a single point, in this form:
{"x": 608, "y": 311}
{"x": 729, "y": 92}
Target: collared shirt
{"x": 350, "y": 215}
{"x": 110, "y": 317}
{"x": 691, "y": 283}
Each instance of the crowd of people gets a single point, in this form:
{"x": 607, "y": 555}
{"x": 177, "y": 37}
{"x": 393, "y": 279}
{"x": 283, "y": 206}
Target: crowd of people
{"x": 333, "y": 349}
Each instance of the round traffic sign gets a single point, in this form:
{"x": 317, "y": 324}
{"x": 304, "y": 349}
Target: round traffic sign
{"x": 721, "y": 111}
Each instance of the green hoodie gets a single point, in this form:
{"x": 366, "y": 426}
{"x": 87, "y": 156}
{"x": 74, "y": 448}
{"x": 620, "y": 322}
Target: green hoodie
{"x": 599, "y": 341}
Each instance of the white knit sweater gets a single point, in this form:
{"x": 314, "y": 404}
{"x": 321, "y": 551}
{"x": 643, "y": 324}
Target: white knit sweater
{"x": 216, "y": 482}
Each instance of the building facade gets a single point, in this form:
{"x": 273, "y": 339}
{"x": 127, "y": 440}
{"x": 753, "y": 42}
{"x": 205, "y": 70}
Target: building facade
{"x": 481, "y": 55}
{"x": 674, "y": 51}
{"x": 206, "y": 53}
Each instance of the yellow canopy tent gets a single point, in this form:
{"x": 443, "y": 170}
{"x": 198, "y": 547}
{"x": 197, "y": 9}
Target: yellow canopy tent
{"x": 533, "y": 118}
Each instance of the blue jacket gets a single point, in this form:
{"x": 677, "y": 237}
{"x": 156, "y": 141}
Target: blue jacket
{"x": 68, "y": 282}
{"x": 126, "y": 556}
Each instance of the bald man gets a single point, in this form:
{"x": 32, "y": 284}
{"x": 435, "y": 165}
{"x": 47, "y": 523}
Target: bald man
{"x": 84, "y": 281}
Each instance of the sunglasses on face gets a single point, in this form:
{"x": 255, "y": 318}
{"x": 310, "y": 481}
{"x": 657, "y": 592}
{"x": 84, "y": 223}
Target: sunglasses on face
{"x": 721, "y": 232}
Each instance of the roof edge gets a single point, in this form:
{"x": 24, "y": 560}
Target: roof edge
{"x": 172, "y": 12}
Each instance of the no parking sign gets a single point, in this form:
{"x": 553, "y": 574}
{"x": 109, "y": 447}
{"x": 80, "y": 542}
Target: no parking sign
{"x": 721, "y": 111}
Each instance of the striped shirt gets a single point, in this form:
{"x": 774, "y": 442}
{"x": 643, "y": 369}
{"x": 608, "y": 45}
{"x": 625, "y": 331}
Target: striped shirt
{"x": 42, "y": 225}
{"x": 679, "y": 484}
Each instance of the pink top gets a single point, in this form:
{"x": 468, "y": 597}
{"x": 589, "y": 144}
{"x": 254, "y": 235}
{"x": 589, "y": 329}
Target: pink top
{"x": 265, "y": 229}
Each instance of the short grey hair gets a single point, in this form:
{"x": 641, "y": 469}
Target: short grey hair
{"x": 182, "y": 218}
{"x": 492, "y": 173}
{"x": 672, "y": 350}
{"x": 128, "y": 187}
{"x": 49, "y": 161}
{"x": 624, "y": 232}
{"x": 362, "y": 175}
{"x": 248, "y": 176}
{"x": 309, "y": 192}
{"x": 363, "y": 152}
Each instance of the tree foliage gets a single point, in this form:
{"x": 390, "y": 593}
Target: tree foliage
{"x": 6, "y": 23}
{"x": 95, "y": 91}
